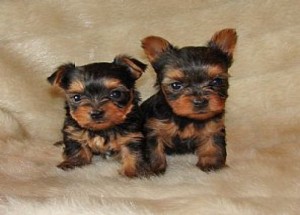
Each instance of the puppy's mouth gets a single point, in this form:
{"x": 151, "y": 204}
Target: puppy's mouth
{"x": 99, "y": 121}
{"x": 96, "y": 122}
{"x": 97, "y": 125}
{"x": 201, "y": 111}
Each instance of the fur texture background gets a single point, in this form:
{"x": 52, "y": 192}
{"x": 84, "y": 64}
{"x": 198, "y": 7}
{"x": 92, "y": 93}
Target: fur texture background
{"x": 263, "y": 109}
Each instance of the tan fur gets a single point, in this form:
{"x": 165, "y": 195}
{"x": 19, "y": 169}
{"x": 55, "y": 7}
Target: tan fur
{"x": 113, "y": 115}
{"x": 120, "y": 141}
{"x": 226, "y": 40}
{"x": 129, "y": 167}
{"x": 135, "y": 70}
{"x": 82, "y": 116}
{"x": 184, "y": 107}
{"x": 97, "y": 144}
{"x": 111, "y": 83}
{"x": 214, "y": 71}
{"x": 172, "y": 76}
{"x": 154, "y": 46}
{"x": 76, "y": 86}
{"x": 165, "y": 129}
{"x": 208, "y": 152}
{"x": 80, "y": 135}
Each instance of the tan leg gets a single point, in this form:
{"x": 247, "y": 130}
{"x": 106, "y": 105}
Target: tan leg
{"x": 158, "y": 161}
{"x": 129, "y": 162}
{"x": 211, "y": 153}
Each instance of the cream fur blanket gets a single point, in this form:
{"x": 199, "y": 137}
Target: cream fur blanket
{"x": 263, "y": 110}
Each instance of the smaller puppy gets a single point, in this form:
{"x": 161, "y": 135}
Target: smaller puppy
{"x": 102, "y": 113}
{"x": 186, "y": 115}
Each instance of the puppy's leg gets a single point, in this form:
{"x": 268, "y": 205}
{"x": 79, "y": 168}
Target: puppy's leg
{"x": 156, "y": 153}
{"x": 133, "y": 164}
{"x": 211, "y": 152}
{"x": 75, "y": 154}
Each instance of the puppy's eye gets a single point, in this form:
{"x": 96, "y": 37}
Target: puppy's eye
{"x": 115, "y": 94}
{"x": 176, "y": 85}
{"x": 76, "y": 98}
{"x": 217, "y": 82}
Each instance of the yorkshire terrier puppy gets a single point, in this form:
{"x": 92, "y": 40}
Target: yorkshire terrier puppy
{"x": 186, "y": 115}
{"x": 102, "y": 113}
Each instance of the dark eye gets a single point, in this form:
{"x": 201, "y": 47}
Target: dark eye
{"x": 217, "y": 82}
{"x": 115, "y": 94}
{"x": 76, "y": 98}
{"x": 176, "y": 85}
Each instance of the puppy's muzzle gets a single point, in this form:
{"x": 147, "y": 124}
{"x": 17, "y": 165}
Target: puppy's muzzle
{"x": 200, "y": 103}
{"x": 97, "y": 115}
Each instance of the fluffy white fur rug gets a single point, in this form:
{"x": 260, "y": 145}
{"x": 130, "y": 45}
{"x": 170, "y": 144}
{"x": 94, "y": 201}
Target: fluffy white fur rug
{"x": 263, "y": 111}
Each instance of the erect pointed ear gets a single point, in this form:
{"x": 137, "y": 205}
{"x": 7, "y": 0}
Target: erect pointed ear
{"x": 225, "y": 40}
{"x": 60, "y": 76}
{"x": 153, "y": 46}
{"x": 136, "y": 67}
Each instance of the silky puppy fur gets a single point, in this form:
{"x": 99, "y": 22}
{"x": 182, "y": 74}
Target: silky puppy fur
{"x": 102, "y": 113}
{"x": 186, "y": 115}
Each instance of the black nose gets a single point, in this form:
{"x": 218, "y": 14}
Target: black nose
{"x": 200, "y": 102}
{"x": 96, "y": 114}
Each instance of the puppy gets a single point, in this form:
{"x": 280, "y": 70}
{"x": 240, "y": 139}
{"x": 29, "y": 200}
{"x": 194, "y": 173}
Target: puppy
{"x": 186, "y": 115}
{"x": 102, "y": 113}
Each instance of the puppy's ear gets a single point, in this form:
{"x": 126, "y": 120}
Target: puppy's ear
{"x": 60, "y": 77}
{"x": 136, "y": 67}
{"x": 154, "y": 46}
{"x": 225, "y": 40}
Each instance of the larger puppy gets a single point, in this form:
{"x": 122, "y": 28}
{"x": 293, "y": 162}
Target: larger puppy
{"x": 187, "y": 112}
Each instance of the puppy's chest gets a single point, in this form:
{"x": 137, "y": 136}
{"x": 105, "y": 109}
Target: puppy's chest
{"x": 168, "y": 128}
{"x": 100, "y": 144}
{"x": 168, "y": 131}
{"x": 182, "y": 138}
{"x": 97, "y": 142}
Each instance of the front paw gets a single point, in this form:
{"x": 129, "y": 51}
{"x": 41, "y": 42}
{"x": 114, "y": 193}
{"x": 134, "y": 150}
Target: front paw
{"x": 210, "y": 163}
{"x": 72, "y": 163}
{"x": 158, "y": 166}
{"x": 130, "y": 173}
{"x": 66, "y": 165}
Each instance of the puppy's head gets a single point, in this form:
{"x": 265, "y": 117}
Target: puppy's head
{"x": 194, "y": 80}
{"x": 100, "y": 95}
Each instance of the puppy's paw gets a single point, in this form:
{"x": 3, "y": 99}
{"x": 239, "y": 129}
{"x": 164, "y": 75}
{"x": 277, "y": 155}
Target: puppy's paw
{"x": 130, "y": 173}
{"x": 158, "y": 167}
{"x": 72, "y": 163}
{"x": 66, "y": 165}
{"x": 210, "y": 163}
